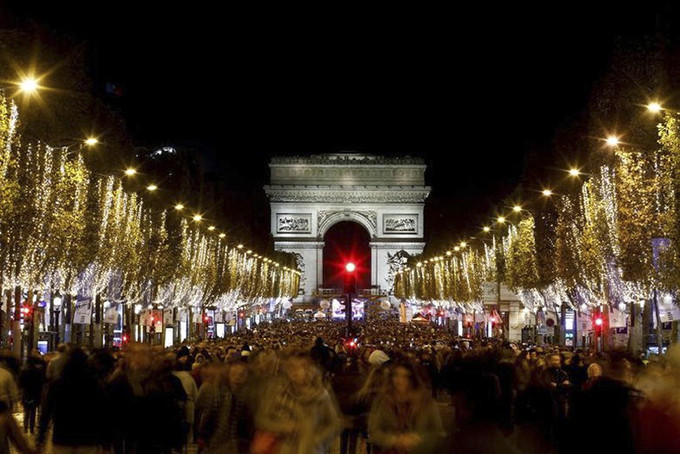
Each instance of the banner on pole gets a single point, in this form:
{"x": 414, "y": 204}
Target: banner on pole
{"x": 167, "y": 317}
{"x": 111, "y": 314}
{"x": 82, "y": 315}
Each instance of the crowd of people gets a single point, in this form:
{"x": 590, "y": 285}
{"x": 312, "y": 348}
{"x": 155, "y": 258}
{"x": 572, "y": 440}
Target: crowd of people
{"x": 305, "y": 388}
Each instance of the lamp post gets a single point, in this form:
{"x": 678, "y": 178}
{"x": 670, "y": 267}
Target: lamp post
{"x": 56, "y": 308}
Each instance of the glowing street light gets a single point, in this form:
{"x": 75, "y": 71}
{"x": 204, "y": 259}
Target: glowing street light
{"x": 223, "y": 235}
{"x": 28, "y": 85}
{"x": 91, "y": 141}
{"x": 574, "y": 172}
{"x": 179, "y": 207}
{"x": 654, "y": 107}
{"x": 547, "y": 193}
{"x": 456, "y": 248}
{"x": 350, "y": 267}
{"x": 211, "y": 228}
{"x": 463, "y": 244}
{"x": 240, "y": 246}
{"x": 487, "y": 229}
{"x": 612, "y": 141}
{"x": 129, "y": 172}
{"x": 152, "y": 187}
{"x": 517, "y": 208}
{"x": 501, "y": 220}
{"x": 198, "y": 218}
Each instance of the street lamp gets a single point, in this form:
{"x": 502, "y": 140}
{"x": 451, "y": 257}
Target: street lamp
{"x": 612, "y": 141}
{"x": 29, "y": 85}
{"x": 56, "y": 308}
{"x": 547, "y": 193}
{"x": 654, "y": 107}
{"x": 152, "y": 188}
{"x": 91, "y": 141}
{"x": 130, "y": 171}
{"x": 574, "y": 172}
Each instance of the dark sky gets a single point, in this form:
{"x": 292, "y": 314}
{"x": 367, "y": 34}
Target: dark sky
{"x": 472, "y": 89}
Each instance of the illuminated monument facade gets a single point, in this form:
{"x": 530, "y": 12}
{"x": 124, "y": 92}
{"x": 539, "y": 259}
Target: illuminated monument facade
{"x": 385, "y": 195}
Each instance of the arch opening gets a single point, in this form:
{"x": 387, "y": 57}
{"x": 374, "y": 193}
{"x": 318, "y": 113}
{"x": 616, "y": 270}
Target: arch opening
{"x": 346, "y": 241}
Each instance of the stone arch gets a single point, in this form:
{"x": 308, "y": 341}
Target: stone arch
{"x": 332, "y": 219}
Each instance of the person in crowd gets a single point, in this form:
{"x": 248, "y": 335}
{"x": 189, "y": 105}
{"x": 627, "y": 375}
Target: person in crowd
{"x": 31, "y": 381}
{"x": 76, "y": 406}
{"x": 10, "y": 432}
{"x": 366, "y": 396}
{"x": 576, "y": 371}
{"x": 556, "y": 382}
{"x": 56, "y": 365}
{"x": 191, "y": 391}
{"x": 606, "y": 405}
{"x": 323, "y": 355}
{"x": 404, "y": 417}
{"x": 522, "y": 377}
{"x": 9, "y": 391}
{"x": 594, "y": 373}
{"x": 150, "y": 404}
{"x": 429, "y": 369}
{"x": 227, "y": 424}
{"x": 299, "y": 415}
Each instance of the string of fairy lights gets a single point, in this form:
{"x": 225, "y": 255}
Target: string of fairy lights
{"x": 594, "y": 245}
{"x": 65, "y": 227}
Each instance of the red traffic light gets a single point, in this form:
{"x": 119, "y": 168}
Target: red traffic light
{"x": 350, "y": 267}
{"x": 598, "y": 321}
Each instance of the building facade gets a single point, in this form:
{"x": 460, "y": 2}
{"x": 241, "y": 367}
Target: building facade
{"x": 385, "y": 195}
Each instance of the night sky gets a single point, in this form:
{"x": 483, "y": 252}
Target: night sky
{"x": 474, "y": 90}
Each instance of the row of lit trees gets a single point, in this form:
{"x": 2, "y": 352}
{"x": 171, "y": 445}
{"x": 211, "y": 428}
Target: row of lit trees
{"x": 609, "y": 235}
{"x": 65, "y": 228}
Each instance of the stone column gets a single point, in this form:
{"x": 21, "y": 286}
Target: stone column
{"x": 319, "y": 270}
{"x": 374, "y": 264}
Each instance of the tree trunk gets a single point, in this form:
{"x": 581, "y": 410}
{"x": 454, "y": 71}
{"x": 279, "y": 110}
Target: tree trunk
{"x": 558, "y": 337}
{"x": 16, "y": 324}
{"x": 635, "y": 329}
{"x": 7, "y": 326}
{"x": 95, "y": 325}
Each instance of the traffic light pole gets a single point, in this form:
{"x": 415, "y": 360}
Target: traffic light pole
{"x": 350, "y": 289}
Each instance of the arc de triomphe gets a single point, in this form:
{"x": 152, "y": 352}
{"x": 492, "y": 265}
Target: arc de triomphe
{"x": 308, "y": 195}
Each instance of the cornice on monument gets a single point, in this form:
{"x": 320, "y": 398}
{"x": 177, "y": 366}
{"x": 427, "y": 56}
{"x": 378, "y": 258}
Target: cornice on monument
{"x": 348, "y": 159}
{"x": 354, "y": 194}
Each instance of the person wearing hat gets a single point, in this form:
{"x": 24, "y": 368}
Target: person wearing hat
{"x": 378, "y": 358}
